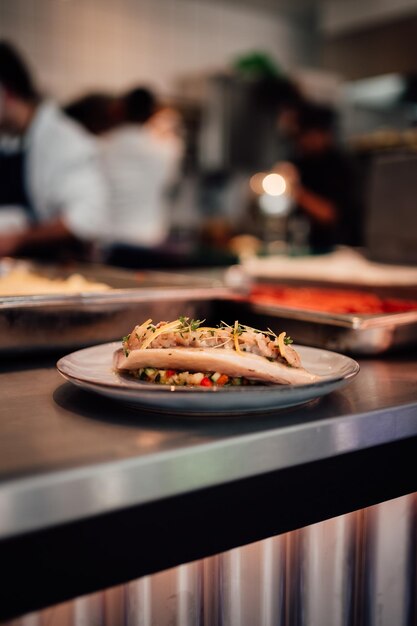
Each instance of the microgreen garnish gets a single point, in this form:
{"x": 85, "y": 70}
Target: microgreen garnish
{"x": 188, "y": 325}
{"x": 238, "y": 329}
{"x": 194, "y": 324}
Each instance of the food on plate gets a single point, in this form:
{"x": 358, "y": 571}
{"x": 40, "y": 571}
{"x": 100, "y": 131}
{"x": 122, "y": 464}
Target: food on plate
{"x": 23, "y": 282}
{"x": 328, "y": 300}
{"x": 184, "y": 352}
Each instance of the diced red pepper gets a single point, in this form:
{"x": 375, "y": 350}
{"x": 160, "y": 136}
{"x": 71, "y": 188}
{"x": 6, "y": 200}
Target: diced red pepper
{"x": 206, "y": 382}
{"x": 170, "y": 373}
{"x": 222, "y": 380}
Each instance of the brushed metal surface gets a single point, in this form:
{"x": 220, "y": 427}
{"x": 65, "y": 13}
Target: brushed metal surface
{"x": 306, "y": 577}
{"x": 251, "y": 585}
{"x": 67, "y": 455}
{"x": 390, "y": 562}
{"x": 327, "y": 562}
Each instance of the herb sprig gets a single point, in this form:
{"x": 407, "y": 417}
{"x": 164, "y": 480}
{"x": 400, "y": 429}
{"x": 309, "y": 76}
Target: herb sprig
{"x": 240, "y": 328}
{"x": 189, "y": 325}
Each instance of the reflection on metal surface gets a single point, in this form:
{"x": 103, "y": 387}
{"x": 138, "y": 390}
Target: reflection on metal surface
{"x": 327, "y": 566}
{"x": 252, "y": 579}
{"x": 30, "y": 620}
{"x": 358, "y": 569}
{"x": 138, "y": 602}
{"x": 88, "y": 610}
{"x": 390, "y": 561}
{"x": 345, "y": 436}
{"x": 170, "y": 597}
{"x": 272, "y": 581}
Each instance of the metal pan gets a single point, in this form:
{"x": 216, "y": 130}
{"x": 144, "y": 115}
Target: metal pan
{"x": 45, "y": 322}
{"x": 352, "y": 333}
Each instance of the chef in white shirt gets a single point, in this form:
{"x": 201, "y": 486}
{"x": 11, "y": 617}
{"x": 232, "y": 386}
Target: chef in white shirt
{"x": 140, "y": 161}
{"x": 54, "y": 177}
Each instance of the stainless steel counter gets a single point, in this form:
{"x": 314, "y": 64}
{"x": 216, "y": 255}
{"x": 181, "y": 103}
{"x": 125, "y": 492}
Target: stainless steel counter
{"x": 66, "y": 455}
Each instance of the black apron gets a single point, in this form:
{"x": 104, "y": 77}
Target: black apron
{"x": 14, "y": 192}
{"x": 13, "y": 184}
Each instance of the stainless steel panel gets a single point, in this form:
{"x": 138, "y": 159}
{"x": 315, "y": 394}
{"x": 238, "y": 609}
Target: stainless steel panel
{"x": 293, "y": 589}
{"x": 358, "y": 569}
{"x": 29, "y": 620}
{"x": 272, "y": 581}
{"x": 62, "y": 614}
{"x": 170, "y": 598}
{"x": 139, "y": 602}
{"x": 328, "y": 562}
{"x": 89, "y": 610}
{"x": 389, "y": 591}
{"x": 252, "y": 583}
{"x": 212, "y": 591}
{"x": 114, "y": 606}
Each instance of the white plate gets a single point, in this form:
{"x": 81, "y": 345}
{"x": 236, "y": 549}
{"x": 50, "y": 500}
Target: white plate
{"x": 92, "y": 369}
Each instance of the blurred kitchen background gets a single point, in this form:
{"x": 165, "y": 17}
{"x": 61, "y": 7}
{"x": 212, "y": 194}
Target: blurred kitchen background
{"x": 221, "y": 70}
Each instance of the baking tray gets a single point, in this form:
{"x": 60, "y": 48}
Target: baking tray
{"x": 61, "y": 321}
{"x": 357, "y": 334}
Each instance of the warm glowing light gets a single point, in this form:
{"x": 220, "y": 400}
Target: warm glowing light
{"x": 274, "y": 184}
{"x": 256, "y": 181}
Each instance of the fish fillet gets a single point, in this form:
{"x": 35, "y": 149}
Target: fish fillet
{"x": 228, "y": 362}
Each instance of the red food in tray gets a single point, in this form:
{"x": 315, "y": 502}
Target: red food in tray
{"x": 329, "y": 300}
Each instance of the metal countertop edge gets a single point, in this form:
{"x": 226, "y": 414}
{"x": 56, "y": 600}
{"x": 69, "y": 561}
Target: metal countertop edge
{"x": 44, "y": 500}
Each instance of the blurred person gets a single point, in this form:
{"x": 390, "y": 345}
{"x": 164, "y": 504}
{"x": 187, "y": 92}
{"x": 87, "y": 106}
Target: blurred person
{"x": 141, "y": 159}
{"x": 320, "y": 178}
{"x": 167, "y": 124}
{"x": 52, "y": 174}
{"x": 98, "y": 113}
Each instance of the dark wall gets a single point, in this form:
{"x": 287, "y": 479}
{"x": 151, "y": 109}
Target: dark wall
{"x": 373, "y": 50}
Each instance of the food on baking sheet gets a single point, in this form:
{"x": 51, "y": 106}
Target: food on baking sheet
{"x": 328, "y": 300}
{"x": 184, "y": 352}
{"x": 22, "y": 282}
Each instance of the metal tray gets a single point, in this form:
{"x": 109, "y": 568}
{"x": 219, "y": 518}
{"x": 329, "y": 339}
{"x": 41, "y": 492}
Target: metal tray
{"x": 50, "y": 322}
{"x": 353, "y": 333}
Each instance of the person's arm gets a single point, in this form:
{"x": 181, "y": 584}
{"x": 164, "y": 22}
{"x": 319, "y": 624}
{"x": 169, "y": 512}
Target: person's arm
{"x": 42, "y": 234}
{"x": 319, "y": 208}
